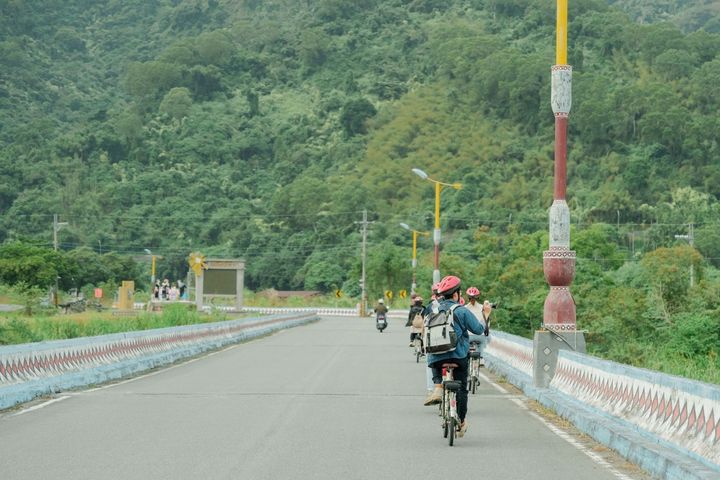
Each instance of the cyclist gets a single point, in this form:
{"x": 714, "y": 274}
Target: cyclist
{"x": 463, "y": 321}
{"x": 482, "y": 313}
{"x": 416, "y": 310}
{"x": 431, "y": 307}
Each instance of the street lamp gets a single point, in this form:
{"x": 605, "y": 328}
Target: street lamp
{"x": 414, "y": 255}
{"x": 436, "y": 232}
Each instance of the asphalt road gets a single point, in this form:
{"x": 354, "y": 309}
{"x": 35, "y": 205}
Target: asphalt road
{"x": 332, "y": 400}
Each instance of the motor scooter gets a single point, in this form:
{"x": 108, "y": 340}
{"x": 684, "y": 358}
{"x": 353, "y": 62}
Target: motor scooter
{"x": 380, "y": 322}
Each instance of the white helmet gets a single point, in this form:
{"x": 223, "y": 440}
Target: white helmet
{"x": 381, "y": 301}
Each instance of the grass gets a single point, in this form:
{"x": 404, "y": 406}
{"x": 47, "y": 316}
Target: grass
{"x": 49, "y": 324}
{"x": 17, "y": 328}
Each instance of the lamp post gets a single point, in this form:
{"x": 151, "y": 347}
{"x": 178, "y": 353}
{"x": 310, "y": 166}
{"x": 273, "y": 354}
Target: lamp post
{"x": 414, "y": 255}
{"x": 436, "y": 231}
{"x": 559, "y": 260}
{"x": 559, "y": 314}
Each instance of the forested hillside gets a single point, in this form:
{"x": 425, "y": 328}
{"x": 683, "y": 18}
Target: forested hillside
{"x": 262, "y": 129}
{"x": 689, "y": 15}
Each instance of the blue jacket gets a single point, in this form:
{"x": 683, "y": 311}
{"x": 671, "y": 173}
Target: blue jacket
{"x": 464, "y": 321}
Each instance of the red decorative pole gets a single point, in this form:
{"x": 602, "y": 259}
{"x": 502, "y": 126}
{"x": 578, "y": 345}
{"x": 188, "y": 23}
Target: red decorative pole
{"x": 559, "y": 260}
{"x": 559, "y": 330}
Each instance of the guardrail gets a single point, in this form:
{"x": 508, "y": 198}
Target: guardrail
{"x": 668, "y": 425}
{"x": 322, "y": 311}
{"x": 31, "y": 370}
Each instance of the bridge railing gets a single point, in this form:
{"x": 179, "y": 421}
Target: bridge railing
{"x": 322, "y": 311}
{"x": 674, "y": 412}
{"x": 35, "y": 369}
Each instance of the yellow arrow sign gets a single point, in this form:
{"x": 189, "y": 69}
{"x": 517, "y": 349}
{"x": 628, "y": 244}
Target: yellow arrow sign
{"x": 403, "y": 293}
{"x": 338, "y": 293}
{"x": 389, "y": 294}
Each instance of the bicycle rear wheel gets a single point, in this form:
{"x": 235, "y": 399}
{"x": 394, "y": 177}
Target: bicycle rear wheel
{"x": 474, "y": 384}
{"x": 451, "y": 435}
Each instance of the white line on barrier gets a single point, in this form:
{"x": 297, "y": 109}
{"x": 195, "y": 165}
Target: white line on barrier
{"x": 39, "y": 406}
{"x": 557, "y": 431}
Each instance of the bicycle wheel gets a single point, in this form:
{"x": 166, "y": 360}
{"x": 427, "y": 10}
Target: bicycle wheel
{"x": 474, "y": 384}
{"x": 451, "y": 436}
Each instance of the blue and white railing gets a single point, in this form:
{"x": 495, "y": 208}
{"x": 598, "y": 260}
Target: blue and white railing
{"x": 668, "y": 411}
{"x": 35, "y": 369}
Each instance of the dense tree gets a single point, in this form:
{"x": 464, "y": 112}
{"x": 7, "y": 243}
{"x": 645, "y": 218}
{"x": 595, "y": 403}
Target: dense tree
{"x": 262, "y": 130}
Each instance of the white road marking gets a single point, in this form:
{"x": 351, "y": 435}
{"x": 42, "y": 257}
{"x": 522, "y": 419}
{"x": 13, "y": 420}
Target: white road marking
{"x": 73, "y": 394}
{"x": 593, "y": 456}
{"x": 39, "y": 406}
{"x": 161, "y": 370}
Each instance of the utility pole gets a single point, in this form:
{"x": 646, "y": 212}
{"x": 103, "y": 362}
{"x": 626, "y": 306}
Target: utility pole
{"x": 363, "y": 299}
{"x": 690, "y": 237}
{"x": 56, "y": 228}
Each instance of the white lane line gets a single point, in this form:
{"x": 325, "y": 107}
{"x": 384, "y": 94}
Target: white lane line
{"x": 39, "y": 406}
{"x": 73, "y": 394}
{"x": 557, "y": 431}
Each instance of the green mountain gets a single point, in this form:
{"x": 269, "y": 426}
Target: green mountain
{"x": 689, "y": 15}
{"x": 263, "y": 129}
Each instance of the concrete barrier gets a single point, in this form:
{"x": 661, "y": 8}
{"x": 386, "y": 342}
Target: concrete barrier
{"x": 31, "y": 370}
{"x": 668, "y": 425}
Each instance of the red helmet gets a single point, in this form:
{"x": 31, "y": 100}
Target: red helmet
{"x": 448, "y": 285}
{"x": 473, "y": 292}
{"x": 434, "y": 288}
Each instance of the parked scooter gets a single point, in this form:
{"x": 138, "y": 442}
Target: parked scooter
{"x": 380, "y": 322}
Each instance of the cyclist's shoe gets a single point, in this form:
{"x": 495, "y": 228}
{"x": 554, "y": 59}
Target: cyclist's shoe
{"x": 462, "y": 429}
{"x": 412, "y": 344}
{"x": 435, "y": 397}
{"x": 482, "y": 362}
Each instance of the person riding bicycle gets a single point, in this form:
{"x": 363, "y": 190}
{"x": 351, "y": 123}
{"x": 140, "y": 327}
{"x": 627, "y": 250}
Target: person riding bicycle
{"x": 482, "y": 313}
{"x": 463, "y": 322}
{"x": 415, "y": 319}
{"x": 432, "y": 307}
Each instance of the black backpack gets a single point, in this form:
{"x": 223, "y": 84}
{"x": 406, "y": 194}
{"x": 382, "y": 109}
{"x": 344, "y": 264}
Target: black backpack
{"x": 440, "y": 336}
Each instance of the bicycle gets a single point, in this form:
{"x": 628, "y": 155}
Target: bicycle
{"x": 448, "y": 406}
{"x": 417, "y": 345}
{"x": 475, "y": 362}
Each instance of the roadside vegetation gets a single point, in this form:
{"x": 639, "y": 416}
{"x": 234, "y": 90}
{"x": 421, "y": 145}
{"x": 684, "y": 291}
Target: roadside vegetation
{"x": 18, "y": 328}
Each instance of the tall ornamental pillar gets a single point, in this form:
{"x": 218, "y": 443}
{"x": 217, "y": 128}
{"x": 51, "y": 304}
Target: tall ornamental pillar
{"x": 559, "y": 322}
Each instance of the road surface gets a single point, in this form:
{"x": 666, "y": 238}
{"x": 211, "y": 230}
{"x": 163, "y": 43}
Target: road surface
{"x": 331, "y": 400}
